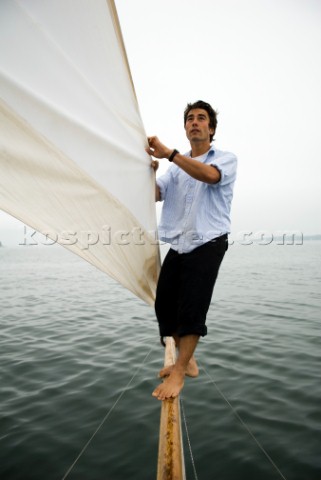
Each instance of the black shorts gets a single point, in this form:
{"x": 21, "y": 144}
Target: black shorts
{"x": 185, "y": 288}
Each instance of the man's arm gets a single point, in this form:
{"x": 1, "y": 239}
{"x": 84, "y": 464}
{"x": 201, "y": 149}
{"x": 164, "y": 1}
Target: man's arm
{"x": 197, "y": 170}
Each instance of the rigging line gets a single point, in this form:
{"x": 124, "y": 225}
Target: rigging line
{"x": 106, "y": 416}
{"x": 244, "y": 425}
{"x": 188, "y": 439}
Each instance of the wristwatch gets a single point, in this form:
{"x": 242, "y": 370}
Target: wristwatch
{"x": 172, "y": 155}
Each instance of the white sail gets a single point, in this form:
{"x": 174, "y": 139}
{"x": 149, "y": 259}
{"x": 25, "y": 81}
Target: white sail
{"x": 72, "y": 160}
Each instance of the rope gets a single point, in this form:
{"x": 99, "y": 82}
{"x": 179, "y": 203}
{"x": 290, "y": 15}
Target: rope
{"x": 105, "y": 417}
{"x": 188, "y": 438}
{"x": 244, "y": 425}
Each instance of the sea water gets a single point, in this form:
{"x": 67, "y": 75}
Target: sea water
{"x": 79, "y": 357}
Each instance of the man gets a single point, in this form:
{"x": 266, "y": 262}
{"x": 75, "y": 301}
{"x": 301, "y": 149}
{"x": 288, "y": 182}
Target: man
{"x": 197, "y": 192}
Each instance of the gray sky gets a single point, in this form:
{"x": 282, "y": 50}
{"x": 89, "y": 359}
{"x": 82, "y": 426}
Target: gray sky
{"x": 258, "y": 63}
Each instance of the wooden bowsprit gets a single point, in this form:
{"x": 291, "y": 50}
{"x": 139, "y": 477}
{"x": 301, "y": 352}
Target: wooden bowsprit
{"x": 170, "y": 451}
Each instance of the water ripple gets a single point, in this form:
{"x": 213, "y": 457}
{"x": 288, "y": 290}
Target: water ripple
{"x": 72, "y": 340}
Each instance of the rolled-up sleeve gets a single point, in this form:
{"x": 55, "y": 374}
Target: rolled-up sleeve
{"x": 227, "y": 166}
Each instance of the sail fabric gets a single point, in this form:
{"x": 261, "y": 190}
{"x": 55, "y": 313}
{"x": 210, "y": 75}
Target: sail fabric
{"x": 73, "y": 161}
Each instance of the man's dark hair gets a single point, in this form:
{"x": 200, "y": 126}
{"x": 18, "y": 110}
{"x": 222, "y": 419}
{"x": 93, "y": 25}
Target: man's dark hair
{"x": 205, "y": 106}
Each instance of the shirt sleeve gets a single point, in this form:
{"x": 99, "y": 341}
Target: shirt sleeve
{"x": 227, "y": 166}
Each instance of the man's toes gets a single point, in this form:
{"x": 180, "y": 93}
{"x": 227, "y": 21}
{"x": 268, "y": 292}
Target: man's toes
{"x": 155, "y": 392}
{"x": 159, "y": 392}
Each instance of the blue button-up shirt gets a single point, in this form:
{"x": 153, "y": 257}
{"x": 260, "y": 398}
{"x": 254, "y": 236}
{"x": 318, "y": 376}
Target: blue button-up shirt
{"x": 195, "y": 212}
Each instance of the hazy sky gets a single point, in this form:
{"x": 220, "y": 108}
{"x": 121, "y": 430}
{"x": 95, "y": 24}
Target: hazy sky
{"x": 258, "y": 63}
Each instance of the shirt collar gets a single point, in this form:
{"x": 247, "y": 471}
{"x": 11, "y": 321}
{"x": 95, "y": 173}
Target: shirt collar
{"x": 212, "y": 151}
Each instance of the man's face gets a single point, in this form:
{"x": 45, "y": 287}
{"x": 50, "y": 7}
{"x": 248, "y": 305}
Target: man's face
{"x": 197, "y": 125}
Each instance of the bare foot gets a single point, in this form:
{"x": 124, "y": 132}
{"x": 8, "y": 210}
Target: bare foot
{"x": 191, "y": 370}
{"x": 171, "y": 386}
